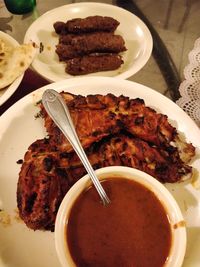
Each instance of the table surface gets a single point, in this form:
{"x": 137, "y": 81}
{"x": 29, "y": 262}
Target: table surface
{"x": 174, "y": 25}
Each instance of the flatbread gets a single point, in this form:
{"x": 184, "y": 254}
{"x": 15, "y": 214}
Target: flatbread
{"x": 14, "y": 61}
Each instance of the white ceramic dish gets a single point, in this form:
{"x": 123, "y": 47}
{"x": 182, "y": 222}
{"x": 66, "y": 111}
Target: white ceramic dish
{"x": 20, "y": 246}
{"x": 178, "y": 247}
{"x": 137, "y": 38}
{"x": 6, "y": 93}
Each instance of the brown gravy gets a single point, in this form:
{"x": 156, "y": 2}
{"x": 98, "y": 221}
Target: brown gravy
{"x": 133, "y": 231}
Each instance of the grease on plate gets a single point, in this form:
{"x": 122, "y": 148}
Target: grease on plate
{"x": 179, "y": 224}
{"x": 5, "y": 218}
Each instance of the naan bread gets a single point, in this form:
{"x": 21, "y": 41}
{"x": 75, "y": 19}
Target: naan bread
{"x": 14, "y": 61}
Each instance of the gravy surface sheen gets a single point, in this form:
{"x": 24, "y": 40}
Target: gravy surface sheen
{"x": 132, "y": 231}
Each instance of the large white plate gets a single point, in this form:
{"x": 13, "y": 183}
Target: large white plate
{"x": 9, "y": 90}
{"x": 20, "y": 246}
{"x": 137, "y": 38}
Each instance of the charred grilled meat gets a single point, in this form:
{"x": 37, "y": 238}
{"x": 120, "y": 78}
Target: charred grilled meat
{"x": 97, "y": 116}
{"x": 97, "y": 42}
{"x": 89, "y": 45}
{"x": 88, "y": 24}
{"x": 114, "y": 131}
{"x": 93, "y": 63}
{"x": 47, "y": 173}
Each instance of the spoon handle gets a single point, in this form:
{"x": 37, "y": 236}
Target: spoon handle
{"x": 58, "y": 111}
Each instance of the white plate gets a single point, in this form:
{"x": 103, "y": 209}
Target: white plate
{"x": 20, "y": 246}
{"x": 137, "y": 38}
{"x": 9, "y": 90}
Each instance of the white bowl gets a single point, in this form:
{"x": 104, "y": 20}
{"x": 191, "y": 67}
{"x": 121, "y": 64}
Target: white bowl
{"x": 178, "y": 247}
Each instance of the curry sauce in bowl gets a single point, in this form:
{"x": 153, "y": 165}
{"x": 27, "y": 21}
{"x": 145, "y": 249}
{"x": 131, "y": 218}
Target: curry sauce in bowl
{"x": 136, "y": 229}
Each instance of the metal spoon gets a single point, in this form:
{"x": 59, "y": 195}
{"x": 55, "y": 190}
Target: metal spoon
{"x": 58, "y": 111}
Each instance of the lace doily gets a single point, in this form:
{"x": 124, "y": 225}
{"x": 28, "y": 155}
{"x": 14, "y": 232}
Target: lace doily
{"x": 190, "y": 87}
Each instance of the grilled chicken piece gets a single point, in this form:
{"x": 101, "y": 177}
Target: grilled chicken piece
{"x": 47, "y": 172}
{"x": 113, "y": 131}
{"x": 97, "y": 116}
{"x": 40, "y": 190}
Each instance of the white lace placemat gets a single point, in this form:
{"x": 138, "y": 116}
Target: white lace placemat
{"x": 190, "y": 87}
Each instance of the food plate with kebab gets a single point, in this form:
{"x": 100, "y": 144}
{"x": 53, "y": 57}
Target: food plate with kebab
{"x": 119, "y": 123}
{"x": 83, "y": 39}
